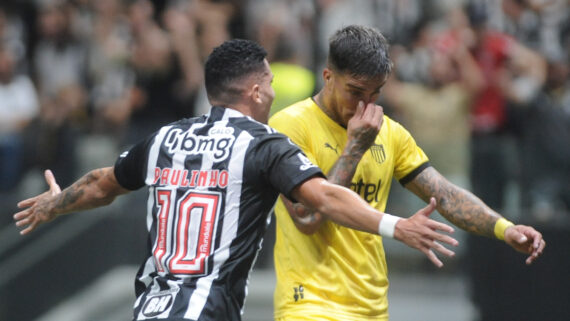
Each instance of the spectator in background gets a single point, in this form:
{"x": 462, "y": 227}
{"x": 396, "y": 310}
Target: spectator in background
{"x": 334, "y": 14}
{"x": 544, "y": 150}
{"x": 213, "y": 19}
{"x": 435, "y": 78}
{"x": 60, "y": 75}
{"x": 436, "y": 111}
{"x": 110, "y": 76}
{"x": 513, "y": 73}
{"x": 211, "y": 22}
{"x": 537, "y": 23}
{"x": 293, "y": 81}
{"x": 412, "y": 59}
{"x": 12, "y": 36}
{"x": 398, "y": 19}
{"x": 167, "y": 62}
{"x": 543, "y": 120}
{"x": 281, "y": 28}
{"x": 182, "y": 20}
{"x": 156, "y": 73}
{"x": 513, "y": 76}
{"x": 18, "y": 107}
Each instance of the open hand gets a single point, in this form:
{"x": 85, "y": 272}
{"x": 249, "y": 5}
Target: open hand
{"x": 421, "y": 232}
{"x": 37, "y": 210}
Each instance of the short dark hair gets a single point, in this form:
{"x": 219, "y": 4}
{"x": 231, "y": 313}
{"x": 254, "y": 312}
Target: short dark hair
{"x": 359, "y": 51}
{"x": 231, "y": 61}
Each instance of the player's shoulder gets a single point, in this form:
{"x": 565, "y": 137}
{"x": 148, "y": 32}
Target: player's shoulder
{"x": 391, "y": 124}
{"x": 298, "y": 111}
{"x": 186, "y": 122}
{"x": 393, "y": 129}
{"x": 253, "y": 127}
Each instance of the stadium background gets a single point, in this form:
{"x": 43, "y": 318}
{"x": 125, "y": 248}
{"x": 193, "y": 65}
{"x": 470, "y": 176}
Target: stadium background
{"x": 105, "y": 73}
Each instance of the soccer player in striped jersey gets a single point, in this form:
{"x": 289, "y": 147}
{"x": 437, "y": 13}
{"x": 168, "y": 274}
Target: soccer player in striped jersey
{"x": 212, "y": 183}
{"x": 326, "y": 271}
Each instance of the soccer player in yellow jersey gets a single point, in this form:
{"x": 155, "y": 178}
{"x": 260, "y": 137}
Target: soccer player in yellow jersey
{"x": 329, "y": 272}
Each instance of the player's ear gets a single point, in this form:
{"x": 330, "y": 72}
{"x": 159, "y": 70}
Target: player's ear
{"x": 256, "y": 93}
{"x": 327, "y": 75}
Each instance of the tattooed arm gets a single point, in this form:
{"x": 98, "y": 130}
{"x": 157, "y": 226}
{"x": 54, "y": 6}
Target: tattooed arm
{"x": 97, "y": 188}
{"x": 362, "y": 129}
{"x": 456, "y": 204}
{"x": 308, "y": 220}
{"x": 468, "y": 212}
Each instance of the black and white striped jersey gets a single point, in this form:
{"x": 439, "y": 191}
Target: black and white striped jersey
{"x": 213, "y": 181}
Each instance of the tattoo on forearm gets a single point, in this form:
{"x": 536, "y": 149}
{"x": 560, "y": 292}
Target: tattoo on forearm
{"x": 343, "y": 170}
{"x": 457, "y": 205}
{"x": 361, "y": 140}
{"x": 71, "y": 195}
{"x": 68, "y": 197}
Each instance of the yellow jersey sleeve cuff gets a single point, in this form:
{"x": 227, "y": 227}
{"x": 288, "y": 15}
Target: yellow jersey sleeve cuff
{"x": 500, "y": 226}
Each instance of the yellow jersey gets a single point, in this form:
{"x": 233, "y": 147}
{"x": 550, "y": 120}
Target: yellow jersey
{"x": 338, "y": 273}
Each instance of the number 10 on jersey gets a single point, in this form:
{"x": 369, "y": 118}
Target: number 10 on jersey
{"x": 186, "y": 231}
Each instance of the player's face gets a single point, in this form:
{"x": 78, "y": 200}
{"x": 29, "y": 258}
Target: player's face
{"x": 345, "y": 91}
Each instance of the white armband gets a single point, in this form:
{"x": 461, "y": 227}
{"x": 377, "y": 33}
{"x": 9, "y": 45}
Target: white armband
{"x": 387, "y": 225}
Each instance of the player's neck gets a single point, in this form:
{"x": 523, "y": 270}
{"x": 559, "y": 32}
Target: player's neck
{"x": 325, "y": 107}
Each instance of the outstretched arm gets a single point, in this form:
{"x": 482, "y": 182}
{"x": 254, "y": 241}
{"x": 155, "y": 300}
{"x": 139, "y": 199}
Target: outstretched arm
{"x": 346, "y": 208}
{"x": 468, "y": 212}
{"x": 97, "y": 188}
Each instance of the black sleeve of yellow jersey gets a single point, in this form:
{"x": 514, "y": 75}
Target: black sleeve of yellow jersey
{"x": 408, "y": 178}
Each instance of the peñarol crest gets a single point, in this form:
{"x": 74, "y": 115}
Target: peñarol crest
{"x": 378, "y": 153}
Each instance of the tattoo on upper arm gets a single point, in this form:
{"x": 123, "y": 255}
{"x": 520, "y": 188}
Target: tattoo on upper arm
{"x": 456, "y": 204}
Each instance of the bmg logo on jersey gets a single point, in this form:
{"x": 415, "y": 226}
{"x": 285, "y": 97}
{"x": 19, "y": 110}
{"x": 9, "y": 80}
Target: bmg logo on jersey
{"x": 157, "y": 305}
{"x": 217, "y": 145}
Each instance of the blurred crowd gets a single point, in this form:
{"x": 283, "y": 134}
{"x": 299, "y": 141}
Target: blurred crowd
{"x": 484, "y": 86}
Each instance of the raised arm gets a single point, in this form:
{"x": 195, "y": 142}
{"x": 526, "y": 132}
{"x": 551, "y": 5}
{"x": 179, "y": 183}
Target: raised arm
{"x": 468, "y": 212}
{"x": 346, "y": 208}
{"x": 362, "y": 129}
{"x": 97, "y": 188}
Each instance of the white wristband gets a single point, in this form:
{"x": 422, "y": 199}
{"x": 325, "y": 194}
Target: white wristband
{"x": 387, "y": 225}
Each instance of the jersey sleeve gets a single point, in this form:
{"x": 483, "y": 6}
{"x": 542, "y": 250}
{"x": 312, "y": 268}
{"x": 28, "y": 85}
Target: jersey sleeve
{"x": 283, "y": 165}
{"x": 130, "y": 167}
{"x": 411, "y": 159}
